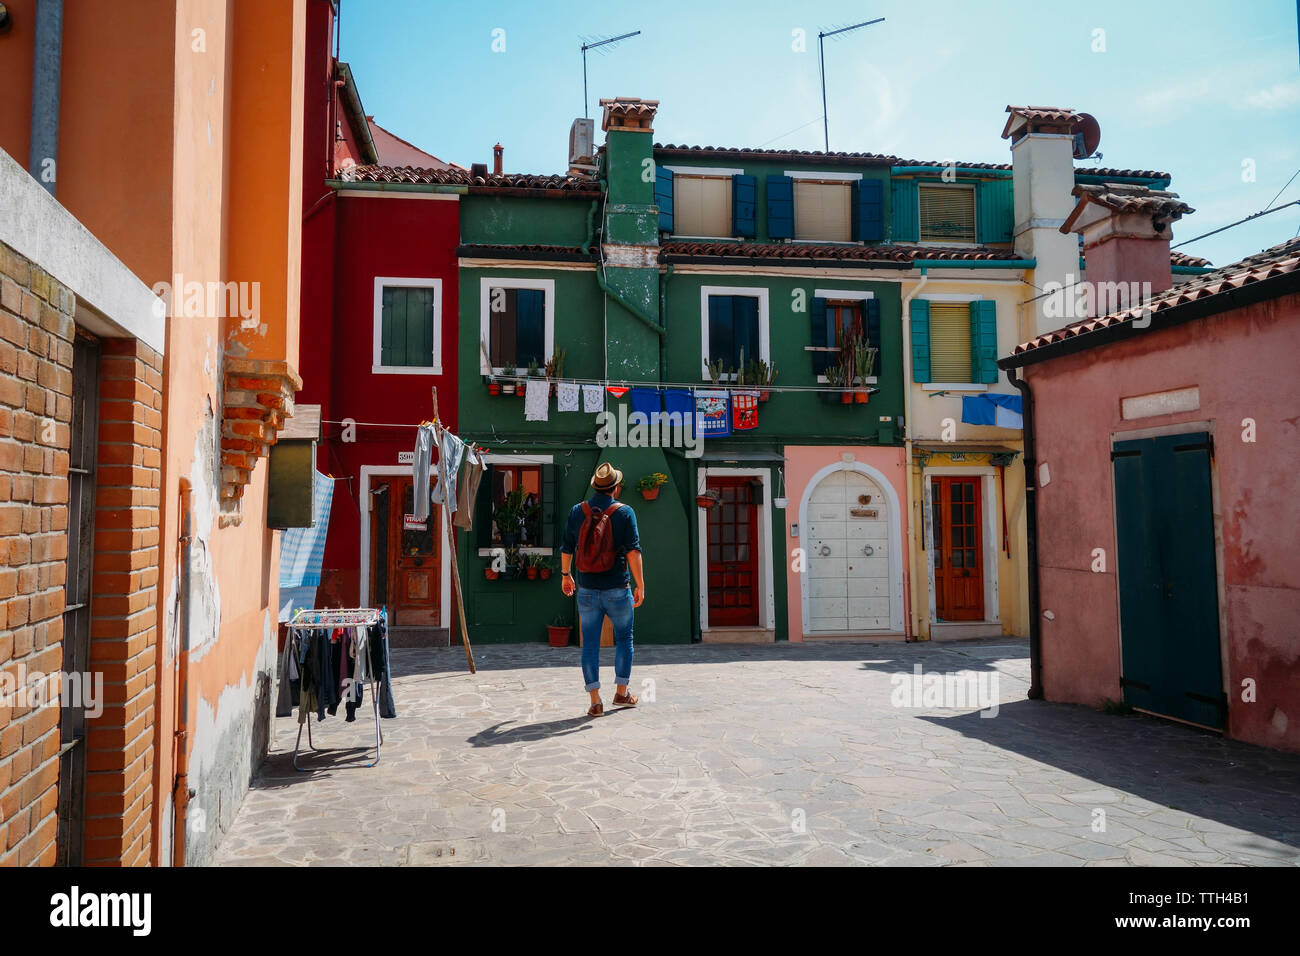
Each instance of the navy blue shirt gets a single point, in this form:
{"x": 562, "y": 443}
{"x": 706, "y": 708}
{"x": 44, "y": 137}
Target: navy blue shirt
{"x": 626, "y": 538}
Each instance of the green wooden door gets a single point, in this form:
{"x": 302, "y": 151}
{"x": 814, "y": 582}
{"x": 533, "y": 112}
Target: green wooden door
{"x": 1168, "y": 593}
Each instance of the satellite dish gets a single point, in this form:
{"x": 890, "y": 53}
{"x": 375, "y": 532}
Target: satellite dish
{"x": 1087, "y": 136}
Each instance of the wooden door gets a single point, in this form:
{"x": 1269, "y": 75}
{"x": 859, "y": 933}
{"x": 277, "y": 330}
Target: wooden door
{"x": 1168, "y": 587}
{"x": 414, "y": 560}
{"x": 847, "y": 580}
{"x": 733, "y": 555}
{"x": 958, "y": 549}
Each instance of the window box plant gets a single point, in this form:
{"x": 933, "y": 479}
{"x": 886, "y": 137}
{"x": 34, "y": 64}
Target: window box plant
{"x": 649, "y": 485}
{"x": 514, "y": 564}
{"x": 864, "y": 364}
{"x": 543, "y": 567}
{"x": 559, "y": 631}
{"x": 509, "y": 518}
{"x": 834, "y": 379}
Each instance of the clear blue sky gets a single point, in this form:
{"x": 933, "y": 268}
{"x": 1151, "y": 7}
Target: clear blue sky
{"x": 1195, "y": 88}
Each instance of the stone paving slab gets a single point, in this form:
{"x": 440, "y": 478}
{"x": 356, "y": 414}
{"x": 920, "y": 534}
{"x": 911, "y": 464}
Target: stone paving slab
{"x": 759, "y": 755}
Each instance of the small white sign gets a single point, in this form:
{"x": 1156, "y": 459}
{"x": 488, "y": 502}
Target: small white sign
{"x": 406, "y": 458}
{"x": 411, "y": 523}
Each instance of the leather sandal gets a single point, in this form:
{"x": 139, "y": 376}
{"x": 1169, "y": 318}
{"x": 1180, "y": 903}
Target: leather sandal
{"x": 596, "y": 710}
{"x": 625, "y": 700}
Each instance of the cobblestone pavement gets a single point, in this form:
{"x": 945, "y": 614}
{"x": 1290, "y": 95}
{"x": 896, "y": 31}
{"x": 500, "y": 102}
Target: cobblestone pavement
{"x": 748, "y": 755}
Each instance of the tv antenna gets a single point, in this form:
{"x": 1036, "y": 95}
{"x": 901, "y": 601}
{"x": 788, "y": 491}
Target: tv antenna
{"x": 821, "y": 53}
{"x": 588, "y": 44}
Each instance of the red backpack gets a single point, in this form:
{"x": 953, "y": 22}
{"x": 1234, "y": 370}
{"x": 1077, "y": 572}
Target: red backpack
{"x": 596, "y": 539}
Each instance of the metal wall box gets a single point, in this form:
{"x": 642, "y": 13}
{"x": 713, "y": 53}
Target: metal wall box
{"x": 291, "y": 471}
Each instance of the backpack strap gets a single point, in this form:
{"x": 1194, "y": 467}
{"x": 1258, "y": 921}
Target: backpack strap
{"x": 586, "y": 509}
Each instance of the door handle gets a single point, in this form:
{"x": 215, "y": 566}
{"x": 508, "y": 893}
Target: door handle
{"x": 826, "y": 551}
{"x": 868, "y": 550}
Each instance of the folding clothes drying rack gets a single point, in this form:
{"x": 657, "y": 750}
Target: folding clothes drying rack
{"x": 360, "y": 619}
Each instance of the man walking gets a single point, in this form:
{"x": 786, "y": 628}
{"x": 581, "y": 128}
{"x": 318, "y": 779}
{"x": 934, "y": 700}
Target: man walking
{"x": 601, "y": 533}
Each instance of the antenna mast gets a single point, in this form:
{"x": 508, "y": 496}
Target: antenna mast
{"x": 821, "y": 53}
{"x": 587, "y": 45}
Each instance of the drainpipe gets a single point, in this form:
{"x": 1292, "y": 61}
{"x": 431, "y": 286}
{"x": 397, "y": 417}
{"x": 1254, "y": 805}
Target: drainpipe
{"x": 915, "y": 529}
{"x": 1031, "y": 537}
{"x": 600, "y": 279}
{"x": 46, "y": 70}
{"x": 181, "y": 792}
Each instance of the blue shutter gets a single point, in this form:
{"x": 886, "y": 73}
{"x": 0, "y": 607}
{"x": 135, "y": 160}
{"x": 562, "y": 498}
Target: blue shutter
{"x": 868, "y": 210}
{"x": 996, "y": 210}
{"x": 920, "y": 340}
{"x": 984, "y": 341}
{"x": 530, "y": 327}
{"x": 744, "y": 200}
{"x": 664, "y": 197}
{"x": 780, "y": 207}
{"x": 873, "y": 329}
{"x": 905, "y": 211}
{"x": 823, "y": 336}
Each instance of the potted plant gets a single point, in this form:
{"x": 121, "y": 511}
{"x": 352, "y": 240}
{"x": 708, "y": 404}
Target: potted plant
{"x": 494, "y": 387}
{"x": 834, "y": 379}
{"x": 708, "y": 499}
{"x": 864, "y": 362}
{"x": 533, "y": 565}
{"x": 514, "y": 564}
{"x": 509, "y": 518}
{"x": 555, "y": 368}
{"x": 763, "y": 376}
{"x": 559, "y": 631}
{"x": 543, "y": 567}
{"x": 716, "y": 370}
{"x": 649, "y": 485}
{"x": 491, "y": 573}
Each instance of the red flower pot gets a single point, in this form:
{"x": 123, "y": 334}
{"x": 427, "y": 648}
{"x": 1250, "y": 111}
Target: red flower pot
{"x": 490, "y": 573}
{"x": 545, "y": 574}
{"x": 559, "y": 636}
{"x": 861, "y": 396}
{"x": 846, "y": 398}
{"x": 764, "y": 395}
{"x": 650, "y": 494}
{"x": 494, "y": 388}
{"x": 532, "y": 573}
{"x": 706, "y": 501}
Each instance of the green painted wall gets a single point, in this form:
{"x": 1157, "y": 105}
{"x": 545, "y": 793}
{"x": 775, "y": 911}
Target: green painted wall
{"x": 513, "y": 220}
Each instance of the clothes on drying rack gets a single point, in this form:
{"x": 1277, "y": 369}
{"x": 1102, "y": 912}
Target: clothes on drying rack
{"x": 320, "y": 668}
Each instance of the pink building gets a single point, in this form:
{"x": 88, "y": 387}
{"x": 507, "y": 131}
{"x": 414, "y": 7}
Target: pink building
{"x": 1161, "y": 451}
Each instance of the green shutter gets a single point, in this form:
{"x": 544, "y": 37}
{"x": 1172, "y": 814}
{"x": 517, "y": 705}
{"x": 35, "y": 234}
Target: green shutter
{"x": 905, "y": 214}
{"x": 920, "y": 340}
{"x": 483, "y": 510}
{"x": 868, "y": 210}
{"x": 873, "y": 328}
{"x": 821, "y": 337}
{"x": 549, "y": 492}
{"x": 664, "y": 197}
{"x": 984, "y": 341}
{"x": 996, "y": 210}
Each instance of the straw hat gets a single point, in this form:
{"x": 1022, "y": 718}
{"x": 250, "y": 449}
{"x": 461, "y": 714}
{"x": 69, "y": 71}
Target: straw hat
{"x": 606, "y": 478}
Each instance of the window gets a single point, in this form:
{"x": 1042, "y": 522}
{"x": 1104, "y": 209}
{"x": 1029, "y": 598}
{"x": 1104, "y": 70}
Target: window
{"x": 517, "y": 323}
{"x": 524, "y": 486}
{"x": 839, "y": 316}
{"x": 702, "y": 205}
{"x": 734, "y": 327}
{"x": 950, "y": 342}
{"x": 822, "y": 210}
{"x": 407, "y": 326}
{"x": 947, "y": 213}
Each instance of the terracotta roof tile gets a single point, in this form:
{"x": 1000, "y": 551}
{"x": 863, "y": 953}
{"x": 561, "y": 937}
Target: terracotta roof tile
{"x": 1041, "y": 115}
{"x": 803, "y": 251}
{"x": 1130, "y": 198}
{"x": 1276, "y": 261}
{"x": 1183, "y": 259}
{"x": 800, "y": 155}
{"x": 413, "y": 175}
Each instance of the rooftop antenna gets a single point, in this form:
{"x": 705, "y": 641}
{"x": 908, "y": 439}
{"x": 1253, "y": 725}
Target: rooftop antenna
{"x": 589, "y": 45}
{"x": 821, "y": 53}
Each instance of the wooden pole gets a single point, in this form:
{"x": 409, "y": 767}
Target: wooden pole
{"x": 451, "y": 542}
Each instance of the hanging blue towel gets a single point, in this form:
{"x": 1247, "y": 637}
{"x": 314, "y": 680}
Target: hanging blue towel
{"x": 646, "y": 401}
{"x": 993, "y": 408}
{"x": 680, "y": 402}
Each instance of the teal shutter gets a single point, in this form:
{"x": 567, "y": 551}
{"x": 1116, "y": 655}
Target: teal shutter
{"x": 920, "y": 340}
{"x": 549, "y": 493}
{"x": 823, "y": 336}
{"x": 868, "y": 210}
{"x": 530, "y": 327}
{"x": 780, "y": 207}
{"x": 664, "y": 197}
{"x": 744, "y": 199}
{"x": 905, "y": 209}
{"x": 995, "y": 201}
{"x": 873, "y": 329}
{"x": 483, "y": 510}
{"x": 984, "y": 341}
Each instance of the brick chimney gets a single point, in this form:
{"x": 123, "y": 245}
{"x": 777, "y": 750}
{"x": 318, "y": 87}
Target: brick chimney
{"x": 1042, "y": 171}
{"x": 1126, "y": 232}
{"x": 497, "y": 151}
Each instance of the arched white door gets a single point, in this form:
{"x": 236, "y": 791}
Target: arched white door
{"x": 848, "y": 579}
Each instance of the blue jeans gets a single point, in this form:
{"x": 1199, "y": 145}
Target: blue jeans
{"x": 592, "y": 608}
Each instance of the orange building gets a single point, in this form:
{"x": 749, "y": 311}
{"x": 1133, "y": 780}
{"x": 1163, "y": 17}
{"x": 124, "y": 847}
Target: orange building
{"x": 172, "y": 131}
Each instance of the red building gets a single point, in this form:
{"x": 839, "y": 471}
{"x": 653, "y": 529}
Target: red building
{"x": 379, "y": 306}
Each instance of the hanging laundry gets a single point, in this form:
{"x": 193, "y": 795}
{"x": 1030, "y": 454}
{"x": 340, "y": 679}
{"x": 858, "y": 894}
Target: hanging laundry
{"x": 679, "y": 409}
{"x": 537, "y": 402}
{"x": 647, "y": 402}
{"x": 424, "y": 442}
{"x": 467, "y": 492}
{"x": 993, "y": 408}
{"x": 592, "y": 399}
{"x": 618, "y": 391}
{"x": 744, "y": 408}
{"x": 567, "y": 397}
{"x": 712, "y": 412}
{"x": 449, "y": 456}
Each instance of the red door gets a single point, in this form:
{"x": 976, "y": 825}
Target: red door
{"x": 414, "y": 560}
{"x": 733, "y": 555}
{"x": 958, "y": 549}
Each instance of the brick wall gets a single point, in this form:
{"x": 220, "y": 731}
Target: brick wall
{"x": 124, "y": 610}
{"x": 36, "y": 331}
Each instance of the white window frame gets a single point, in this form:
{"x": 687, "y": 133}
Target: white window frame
{"x": 755, "y": 292}
{"x": 486, "y": 285}
{"x": 850, "y": 294}
{"x": 953, "y": 297}
{"x": 715, "y": 172}
{"x": 406, "y": 282}
{"x": 975, "y": 198}
{"x": 517, "y": 460}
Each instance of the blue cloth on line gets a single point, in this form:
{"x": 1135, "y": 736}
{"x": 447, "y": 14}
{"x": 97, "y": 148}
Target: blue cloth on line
{"x": 993, "y": 408}
{"x": 647, "y": 402}
{"x": 681, "y": 402}
{"x": 302, "y": 550}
